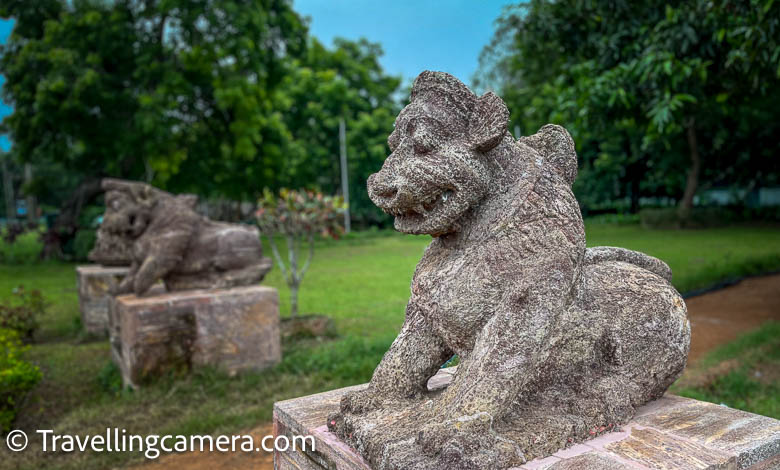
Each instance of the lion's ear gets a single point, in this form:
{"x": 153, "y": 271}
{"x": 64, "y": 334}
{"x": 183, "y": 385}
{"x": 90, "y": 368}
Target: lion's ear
{"x": 488, "y": 122}
{"x": 189, "y": 200}
{"x": 113, "y": 184}
{"x": 141, "y": 193}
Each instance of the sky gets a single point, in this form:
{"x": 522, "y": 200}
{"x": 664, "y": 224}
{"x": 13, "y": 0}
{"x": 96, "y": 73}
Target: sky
{"x": 5, "y": 30}
{"x": 416, "y": 35}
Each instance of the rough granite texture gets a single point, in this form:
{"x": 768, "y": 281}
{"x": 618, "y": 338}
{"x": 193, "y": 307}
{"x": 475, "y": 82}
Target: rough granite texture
{"x": 233, "y": 329}
{"x": 556, "y": 343}
{"x": 172, "y": 242}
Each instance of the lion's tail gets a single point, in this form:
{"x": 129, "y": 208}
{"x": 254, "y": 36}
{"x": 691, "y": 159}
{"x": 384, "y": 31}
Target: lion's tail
{"x": 601, "y": 254}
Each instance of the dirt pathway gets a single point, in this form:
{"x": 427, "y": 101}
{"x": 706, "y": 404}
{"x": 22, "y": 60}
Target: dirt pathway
{"x": 716, "y": 318}
{"x": 218, "y": 460}
{"x": 720, "y": 316}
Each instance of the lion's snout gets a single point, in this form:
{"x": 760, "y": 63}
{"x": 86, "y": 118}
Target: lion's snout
{"x": 379, "y": 187}
{"x": 384, "y": 191}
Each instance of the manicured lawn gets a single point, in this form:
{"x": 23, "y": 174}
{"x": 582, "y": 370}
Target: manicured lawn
{"x": 362, "y": 282}
{"x": 743, "y": 374}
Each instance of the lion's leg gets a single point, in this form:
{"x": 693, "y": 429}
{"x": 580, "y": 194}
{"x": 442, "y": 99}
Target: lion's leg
{"x": 636, "y": 355}
{"x": 413, "y": 358}
{"x": 126, "y": 286}
{"x": 506, "y": 357}
{"x": 167, "y": 250}
{"x": 644, "y": 346}
{"x": 154, "y": 267}
{"x": 386, "y": 412}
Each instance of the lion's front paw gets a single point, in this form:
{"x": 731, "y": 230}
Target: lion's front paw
{"x": 361, "y": 401}
{"x": 124, "y": 287}
{"x": 469, "y": 442}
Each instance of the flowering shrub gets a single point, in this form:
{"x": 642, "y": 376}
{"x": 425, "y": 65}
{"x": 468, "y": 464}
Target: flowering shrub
{"x": 17, "y": 376}
{"x": 297, "y": 216}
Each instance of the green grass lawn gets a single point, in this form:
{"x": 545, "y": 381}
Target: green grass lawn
{"x": 362, "y": 282}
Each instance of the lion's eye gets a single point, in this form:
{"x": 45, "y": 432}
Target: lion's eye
{"x": 423, "y": 141}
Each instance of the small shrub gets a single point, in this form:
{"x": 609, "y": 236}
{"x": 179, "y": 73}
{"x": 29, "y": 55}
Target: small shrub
{"x": 20, "y": 247}
{"x": 21, "y": 312}
{"x": 110, "y": 379}
{"x": 17, "y": 376}
{"x": 706, "y": 217}
{"x": 83, "y": 243}
{"x": 614, "y": 219}
{"x": 298, "y": 216}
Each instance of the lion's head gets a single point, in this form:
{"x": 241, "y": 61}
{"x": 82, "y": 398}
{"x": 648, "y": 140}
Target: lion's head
{"x": 129, "y": 206}
{"x": 437, "y": 169}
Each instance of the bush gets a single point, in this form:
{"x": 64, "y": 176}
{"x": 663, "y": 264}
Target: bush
{"x": 298, "y": 216}
{"x": 110, "y": 379}
{"x": 613, "y": 219}
{"x": 17, "y": 376}
{"x": 20, "y": 248}
{"x": 21, "y": 312}
{"x": 83, "y": 243}
{"x": 706, "y": 217}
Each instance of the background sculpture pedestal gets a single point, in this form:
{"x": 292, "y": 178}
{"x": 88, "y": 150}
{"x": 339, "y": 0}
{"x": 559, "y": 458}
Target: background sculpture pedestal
{"x": 672, "y": 432}
{"x": 94, "y": 286}
{"x": 234, "y": 329}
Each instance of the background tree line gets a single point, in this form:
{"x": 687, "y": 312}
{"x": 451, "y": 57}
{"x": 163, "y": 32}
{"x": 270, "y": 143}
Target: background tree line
{"x": 662, "y": 98}
{"x": 222, "y": 98}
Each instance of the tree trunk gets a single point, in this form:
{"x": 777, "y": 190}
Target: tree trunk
{"x": 32, "y": 205}
{"x": 293, "y": 300}
{"x": 634, "y": 173}
{"x": 8, "y": 191}
{"x": 634, "y": 195}
{"x": 692, "y": 183}
{"x": 67, "y": 221}
{"x": 293, "y": 280}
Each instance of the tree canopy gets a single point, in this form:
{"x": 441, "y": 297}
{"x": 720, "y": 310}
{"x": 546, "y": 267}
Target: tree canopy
{"x": 660, "y": 98}
{"x": 217, "y": 97}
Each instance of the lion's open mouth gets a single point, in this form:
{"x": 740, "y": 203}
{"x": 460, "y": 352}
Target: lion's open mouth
{"x": 424, "y": 208}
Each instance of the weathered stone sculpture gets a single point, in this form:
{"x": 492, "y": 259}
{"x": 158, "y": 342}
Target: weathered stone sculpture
{"x": 557, "y": 343}
{"x": 172, "y": 242}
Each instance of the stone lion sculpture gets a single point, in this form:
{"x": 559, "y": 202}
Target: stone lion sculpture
{"x": 556, "y": 342}
{"x": 166, "y": 239}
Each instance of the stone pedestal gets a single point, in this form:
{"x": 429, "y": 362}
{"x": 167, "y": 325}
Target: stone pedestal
{"x": 94, "y": 286}
{"x": 234, "y": 329}
{"x": 670, "y": 433}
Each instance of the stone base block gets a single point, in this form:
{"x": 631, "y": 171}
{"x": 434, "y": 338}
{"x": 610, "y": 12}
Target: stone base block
{"x": 669, "y": 433}
{"x": 234, "y": 329}
{"x": 95, "y": 283}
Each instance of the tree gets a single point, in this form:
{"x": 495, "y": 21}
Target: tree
{"x": 217, "y": 97}
{"x": 345, "y": 82}
{"x": 298, "y": 216}
{"x": 659, "y": 96}
{"x": 150, "y": 90}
